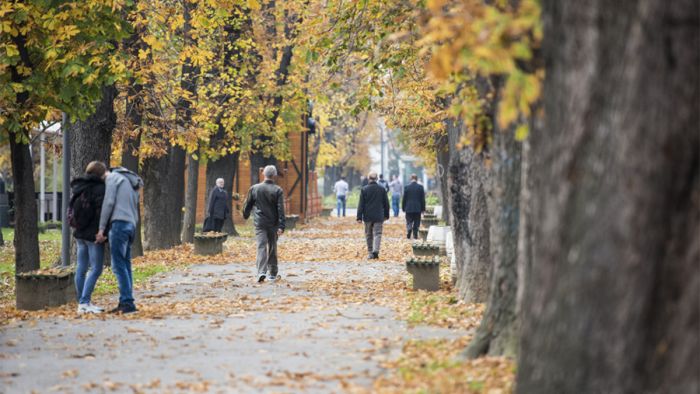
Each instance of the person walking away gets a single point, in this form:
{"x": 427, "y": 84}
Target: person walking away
{"x": 120, "y": 211}
{"x": 373, "y": 210}
{"x": 413, "y": 204}
{"x": 341, "y": 191}
{"x": 396, "y": 188}
{"x": 85, "y": 206}
{"x": 364, "y": 181}
{"x": 383, "y": 183}
{"x": 266, "y": 201}
{"x": 218, "y": 209}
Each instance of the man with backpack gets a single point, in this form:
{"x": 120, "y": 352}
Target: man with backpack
{"x": 88, "y": 191}
{"x": 120, "y": 211}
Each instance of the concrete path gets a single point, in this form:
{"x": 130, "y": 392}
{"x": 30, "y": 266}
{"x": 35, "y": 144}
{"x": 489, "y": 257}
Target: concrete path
{"x": 212, "y": 328}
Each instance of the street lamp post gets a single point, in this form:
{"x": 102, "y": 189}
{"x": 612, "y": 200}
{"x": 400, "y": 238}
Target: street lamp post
{"x": 65, "y": 228}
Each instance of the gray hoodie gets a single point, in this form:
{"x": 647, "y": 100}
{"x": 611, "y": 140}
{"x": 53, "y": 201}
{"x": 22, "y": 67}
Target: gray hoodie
{"x": 121, "y": 200}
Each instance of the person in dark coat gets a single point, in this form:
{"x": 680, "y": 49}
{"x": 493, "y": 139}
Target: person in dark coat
{"x": 266, "y": 201}
{"x": 218, "y": 209}
{"x": 88, "y": 192}
{"x": 413, "y": 204}
{"x": 373, "y": 210}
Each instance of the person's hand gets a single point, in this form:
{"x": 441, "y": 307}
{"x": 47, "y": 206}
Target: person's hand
{"x": 100, "y": 237}
{"x": 279, "y": 232}
{"x": 359, "y": 220}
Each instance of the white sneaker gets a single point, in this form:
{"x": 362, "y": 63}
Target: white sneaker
{"x": 88, "y": 308}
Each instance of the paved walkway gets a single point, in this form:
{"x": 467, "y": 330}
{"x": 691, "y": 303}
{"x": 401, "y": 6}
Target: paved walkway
{"x": 211, "y": 328}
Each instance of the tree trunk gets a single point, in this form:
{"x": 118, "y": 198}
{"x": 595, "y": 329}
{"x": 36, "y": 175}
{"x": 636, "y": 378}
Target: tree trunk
{"x": 226, "y": 168}
{"x": 163, "y": 198}
{"x": 614, "y": 301}
{"x": 442, "y": 171}
{"x": 498, "y": 332}
{"x": 469, "y": 218}
{"x": 191, "y": 200}
{"x": 91, "y": 139}
{"x": 130, "y": 160}
{"x": 26, "y": 231}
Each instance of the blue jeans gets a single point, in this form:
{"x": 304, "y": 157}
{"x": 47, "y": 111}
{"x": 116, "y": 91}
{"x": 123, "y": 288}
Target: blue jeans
{"x": 395, "y": 202}
{"x": 121, "y": 236}
{"x": 90, "y": 255}
{"x": 341, "y": 203}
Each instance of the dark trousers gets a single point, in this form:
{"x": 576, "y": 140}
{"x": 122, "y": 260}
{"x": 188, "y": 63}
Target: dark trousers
{"x": 217, "y": 224}
{"x": 412, "y": 224}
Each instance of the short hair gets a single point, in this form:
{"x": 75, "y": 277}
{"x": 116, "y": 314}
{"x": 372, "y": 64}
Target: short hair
{"x": 270, "y": 171}
{"x": 219, "y": 179}
{"x": 414, "y": 177}
{"x": 96, "y": 168}
{"x": 372, "y": 176}
{"x": 381, "y": 175}
{"x": 342, "y": 177}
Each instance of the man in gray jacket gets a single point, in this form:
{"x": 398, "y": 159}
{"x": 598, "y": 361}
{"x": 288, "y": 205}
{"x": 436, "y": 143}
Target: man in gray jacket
{"x": 267, "y": 200}
{"x": 120, "y": 210}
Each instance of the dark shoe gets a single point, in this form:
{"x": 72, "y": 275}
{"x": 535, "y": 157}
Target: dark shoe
{"x": 409, "y": 235}
{"x": 261, "y": 278}
{"x": 124, "y": 308}
{"x": 375, "y": 255}
{"x": 370, "y": 256}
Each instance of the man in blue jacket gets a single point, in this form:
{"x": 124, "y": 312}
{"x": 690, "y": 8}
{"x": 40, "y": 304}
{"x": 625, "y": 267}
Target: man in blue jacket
{"x": 414, "y": 205}
{"x": 373, "y": 210}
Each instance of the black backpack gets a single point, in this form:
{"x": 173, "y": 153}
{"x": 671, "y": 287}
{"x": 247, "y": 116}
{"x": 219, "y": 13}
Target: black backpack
{"x": 81, "y": 210}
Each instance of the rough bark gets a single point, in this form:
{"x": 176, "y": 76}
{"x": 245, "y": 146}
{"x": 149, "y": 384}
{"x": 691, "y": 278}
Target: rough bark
{"x": 130, "y": 160}
{"x": 163, "y": 198}
{"x": 91, "y": 139}
{"x": 226, "y": 168}
{"x": 614, "y": 305}
{"x": 498, "y": 332}
{"x": 442, "y": 171}
{"x": 190, "y": 200}
{"x": 470, "y": 224}
{"x": 26, "y": 240}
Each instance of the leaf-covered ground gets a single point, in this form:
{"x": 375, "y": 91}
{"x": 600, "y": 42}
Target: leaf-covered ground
{"x": 334, "y": 323}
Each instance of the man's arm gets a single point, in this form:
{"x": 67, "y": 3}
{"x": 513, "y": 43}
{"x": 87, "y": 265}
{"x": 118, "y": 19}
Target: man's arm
{"x": 360, "y": 205}
{"x": 403, "y": 200}
{"x": 227, "y": 212}
{"x": 210, "y": 208}
{"x": 280, "y": 210}
{"x": 108, "y": 204}
{"x": 385, "y": 202}
{"x": 248, "y": 205}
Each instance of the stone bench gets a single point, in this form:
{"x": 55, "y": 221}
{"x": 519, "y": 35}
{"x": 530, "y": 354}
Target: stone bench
{"x": 425, "y": 249}
{"x": 45, "y": 288}
{"x": 425, "y": 272}
{"x": 209, "y": 243}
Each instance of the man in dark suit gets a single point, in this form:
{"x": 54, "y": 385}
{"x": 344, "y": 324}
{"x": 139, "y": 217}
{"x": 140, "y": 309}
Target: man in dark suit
{"x": 414, "y": 205}
{"x": 218, "y": 207}
{"x": 373, "y": 210}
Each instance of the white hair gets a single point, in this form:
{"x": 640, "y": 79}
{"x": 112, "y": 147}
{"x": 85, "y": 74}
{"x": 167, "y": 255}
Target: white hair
{"x": 219, "y": 181}
{"x": 270, "y": 171}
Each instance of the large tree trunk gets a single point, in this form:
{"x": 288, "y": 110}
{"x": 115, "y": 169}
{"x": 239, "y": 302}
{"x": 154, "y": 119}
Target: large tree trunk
{"x": 190, "y": 219}
{"x": 91, "y": 139}
{"x": 614, "y": 301}
{"x": 226, "y": 168}
{"x": 442, "y": 171}
{"x": 26, "y": 232}
{"x": 498, "y": 333}
{"x": 163, "y": 198}
{"x": 130, "y": 160}
{"x": 469, "y": 218}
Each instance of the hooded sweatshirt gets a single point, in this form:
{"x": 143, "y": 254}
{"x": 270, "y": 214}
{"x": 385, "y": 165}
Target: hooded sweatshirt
{"x": 121, "y": 200}
{"x": 94, "y": 189}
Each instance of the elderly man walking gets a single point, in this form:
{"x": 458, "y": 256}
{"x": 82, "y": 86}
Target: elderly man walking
{"x": 414, "y": 205}
{"x": 266, "y": 200}
{"x": 218, "y": 209}
{"x": 373, "y": 210}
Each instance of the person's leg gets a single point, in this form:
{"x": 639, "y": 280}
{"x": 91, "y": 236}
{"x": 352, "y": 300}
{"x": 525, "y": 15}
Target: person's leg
{"x": 218, "y": 225}
{"x": 262, "y": 248}
{"x": 338, "y": 205}
{"x": 272, "y": 255}
{"x": 121, "y": 267}
{"x": 344, "y": 201}
{"x": 409, "y": 224}
{"x": 81, "y": 267}
{"x": 377, "y": 237}
{"x": 416, "y": 225}
{"x": 369, "y": 236}
{"x": 395, "y": 204}
{"x": 97, "y": 254}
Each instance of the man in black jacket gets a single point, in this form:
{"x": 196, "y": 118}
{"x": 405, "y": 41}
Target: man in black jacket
{"x": 373, "y": 210}
{"x": 414, "y": 205}
{"x": 268, "y": 201}
{"x": 218, "y": 207}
